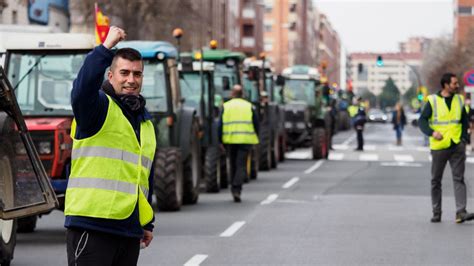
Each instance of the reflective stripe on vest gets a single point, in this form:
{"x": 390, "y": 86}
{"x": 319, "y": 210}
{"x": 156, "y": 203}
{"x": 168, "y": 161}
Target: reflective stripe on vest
{"x": 110, "y": 170}
{"x": 446, "y": 121}
{"x": 237, "y": 125}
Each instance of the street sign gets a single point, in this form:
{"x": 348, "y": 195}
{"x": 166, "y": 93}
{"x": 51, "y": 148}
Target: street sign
{"x": 469, "y": 77}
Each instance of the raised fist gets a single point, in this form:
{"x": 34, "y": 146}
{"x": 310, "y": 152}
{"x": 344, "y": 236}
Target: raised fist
{"x": 114, "y": 36}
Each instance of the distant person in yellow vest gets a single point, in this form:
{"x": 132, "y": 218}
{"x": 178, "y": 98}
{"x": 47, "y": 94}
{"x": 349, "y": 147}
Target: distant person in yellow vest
{"x": 470, "y": 118}
{"x": 444, "y": 120}
{"x": 108, "y": 199}
{"x": 358, "y": 120}
{"x": 238, "y": 131}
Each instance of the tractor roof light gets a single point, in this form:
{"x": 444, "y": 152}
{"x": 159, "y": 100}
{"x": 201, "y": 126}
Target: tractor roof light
{"x": 160, "y": 56}
{"x": 178, "y": 33}
{"x": 230, "y": 62}
{"x": 213, "y": 44}
{"x": 197, "y": 55}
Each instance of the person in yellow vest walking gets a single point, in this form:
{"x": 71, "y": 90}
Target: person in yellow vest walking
{"x": 108, "y": 198}
{"x": 444, "y": 120}
{"x": 238, "y": 131}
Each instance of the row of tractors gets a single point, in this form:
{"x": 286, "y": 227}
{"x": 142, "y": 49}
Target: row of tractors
{"x": 184, "y": 93}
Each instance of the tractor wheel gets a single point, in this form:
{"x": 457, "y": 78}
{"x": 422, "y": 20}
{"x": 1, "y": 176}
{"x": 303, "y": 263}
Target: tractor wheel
{"x": 282, "y": 146}
{"x": 320, "y": 147}
{"x": 265, "y": 149}
{"x": 27, "y": 224}
{"x": 192, "y": 168}
{"x": 212, "y": 169}
{"x": 168, "y": 181}
{"x": 344, "y": 121}
{"x": 275, "y": 151}
{"x": 7, "y": 227}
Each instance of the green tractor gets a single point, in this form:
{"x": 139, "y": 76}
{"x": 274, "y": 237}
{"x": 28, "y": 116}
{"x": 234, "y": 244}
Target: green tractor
{"x": 197, "y": 86}
{"x": 306, "y": 116}
{"x": 261, "y": 91}
{"x": 177, "y": 162}
{"x": 25, "y": 189}
{"x": 228, "y": 67}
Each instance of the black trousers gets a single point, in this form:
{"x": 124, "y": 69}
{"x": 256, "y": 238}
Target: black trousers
{"x": 456, "y": 156}
{"x": 360, "y": 138}
{"x": 92, "y": 248}
{"x": 238, "y": 164}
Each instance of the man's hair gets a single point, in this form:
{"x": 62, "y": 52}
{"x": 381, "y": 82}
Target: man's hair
{"x": 446, "y": 79}
{"x": 129, "y": 54}
{"x": 237, "y": 91}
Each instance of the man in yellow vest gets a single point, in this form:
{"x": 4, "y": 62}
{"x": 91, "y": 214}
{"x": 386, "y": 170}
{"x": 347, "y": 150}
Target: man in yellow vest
{"x": 108, "y": 198}
{"x": 444, "y": 120}
{"x": 238, "y": 131}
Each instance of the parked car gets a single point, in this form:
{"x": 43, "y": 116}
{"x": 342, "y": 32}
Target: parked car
{"x": 377, "y": 115}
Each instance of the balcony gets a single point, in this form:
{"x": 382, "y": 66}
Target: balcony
{"x": 248, "y": 42}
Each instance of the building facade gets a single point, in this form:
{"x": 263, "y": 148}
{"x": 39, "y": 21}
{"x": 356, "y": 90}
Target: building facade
{"x": 329, "y": 51}
{"x": 366, "y": 75}
{"x": 463, "y": 19}
{"x": 415, "y": 45}
{"x": 249, "y": 20}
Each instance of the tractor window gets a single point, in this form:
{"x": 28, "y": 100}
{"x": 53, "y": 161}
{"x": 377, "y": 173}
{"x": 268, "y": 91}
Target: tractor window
{"x": 190, "y": 83}
{"x": 250, "y": 90}
{"x": 44, "y": 82}
{"x": 223, "y": 72}
{"x": 154, "y": 86}
{"x": 300, "y": 90}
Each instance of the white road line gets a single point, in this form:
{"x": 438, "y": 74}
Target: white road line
{"x": 403, "y": 164}
{"x": 196, "y": 260}
{"x": 403, "y": 158}
{"x": 422, "y": 148}
{"x": 470, "y": 159}
{"x": 395, "y": 148}
{"x": 369, "y": 147}
{"x": 347, "y": 141}
{"x": 314, "y": 167}
{"x": 335, "y": 156}
{"x": 291, "y": 182}
{"x": 303, "y": 154}
{"x": 232, "y": 229}
{"x": 369, "y": 157}
{"x": 340, "y": 147}
{"x": 430, "y": 158}
{"x": 271, "y": 198}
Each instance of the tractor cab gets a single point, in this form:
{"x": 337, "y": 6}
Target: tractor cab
{"x": 25, "y": 189}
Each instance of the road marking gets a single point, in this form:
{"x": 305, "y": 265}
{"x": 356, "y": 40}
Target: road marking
{"x": 340, "y": 147}
{"x": 470, "y": 159}
{"x": 395, "y": 148}
{"x": 271, "y": 198}
{"x": 232, "y": 229}
{"x": 369, "y": 147}
{"x": 369, "y": 157}
{"x": 302, "y": 154}
{"x": 348, "y": 140}
{"x": 334, "y": 156}
{"x": 403, "y": 158}
{"x": 196, "y": 260}
{"x": 430, "y": 158}
{"x": 402, "y": 164}
{"x": 291, "y": 182}
{"x": 422, "y": 148}
{"x": 314, "y": 167}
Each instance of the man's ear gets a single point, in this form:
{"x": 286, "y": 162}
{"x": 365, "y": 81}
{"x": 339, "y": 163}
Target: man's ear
{"x": 109, "y": 74}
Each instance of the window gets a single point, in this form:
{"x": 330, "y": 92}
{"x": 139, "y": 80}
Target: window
{"x": 465, "y": 10}
{"x": 293, "y": 7}
{"x": 14, "y": 17}
{"x": 248, "y": 30}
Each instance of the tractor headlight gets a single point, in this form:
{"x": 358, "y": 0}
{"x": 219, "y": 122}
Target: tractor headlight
{"x": 20, "y": 148}
{"x": 44, "y": 147}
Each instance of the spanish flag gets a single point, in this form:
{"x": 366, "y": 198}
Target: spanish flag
{"x": 101, "y": 26}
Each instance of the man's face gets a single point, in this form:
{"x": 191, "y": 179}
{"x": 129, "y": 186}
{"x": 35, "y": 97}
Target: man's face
{"x": 126, "y": 76}
{"x": 453, "y": 85}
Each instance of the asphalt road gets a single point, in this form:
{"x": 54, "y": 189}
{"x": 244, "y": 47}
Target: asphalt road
{"x": 357, "y": 208}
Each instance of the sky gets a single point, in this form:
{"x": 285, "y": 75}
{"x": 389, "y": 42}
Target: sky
{"x": 379, "y": 25}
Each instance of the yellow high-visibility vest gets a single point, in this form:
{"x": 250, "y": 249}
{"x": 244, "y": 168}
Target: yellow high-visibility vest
{"x": 237, "y": 122}
{"x": 353, "y": 110}
{"x": 446, "y": 121}
{"x": 110, "y": 170}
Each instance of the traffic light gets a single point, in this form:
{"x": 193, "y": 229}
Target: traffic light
{"x": 420, "y": 96}
{"x": 379, "y": 61}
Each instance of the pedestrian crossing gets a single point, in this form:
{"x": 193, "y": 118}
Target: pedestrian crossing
{"x": 399, "y": 155}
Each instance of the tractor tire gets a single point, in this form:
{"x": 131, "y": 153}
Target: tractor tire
{"x": 168, "y": 181}
{"x": 253, "y": 167}
{"x": 275, "y": 151}
{"x": 27, "y": 224}
{"x": 265, "y": 149}
{"x": 212, "y": 169}
{"x": 7, "y": 227}
{"x": 320, "y": 144}
{"x": 225, "y": 171}
{"x": 193, "y": 168}
{"x": 344, "y": 121}
{"x": 282, "y": 147}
